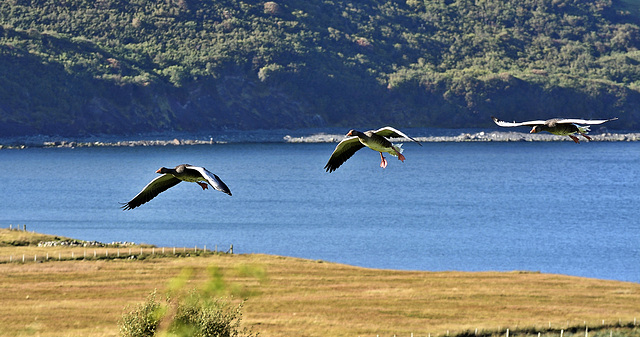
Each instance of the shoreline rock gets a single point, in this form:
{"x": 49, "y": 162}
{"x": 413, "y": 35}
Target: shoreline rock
{"x": 78, "y": 243}
{"x": 495, "y": 136}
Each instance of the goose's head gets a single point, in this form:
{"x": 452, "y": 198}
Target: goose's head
{"x": 354, "y": 133}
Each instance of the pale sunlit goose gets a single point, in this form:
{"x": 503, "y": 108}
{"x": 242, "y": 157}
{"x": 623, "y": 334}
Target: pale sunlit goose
{"x": 558, "y": 126}
{"x": 373, "y": 139}
{"x": 171, "y": 177}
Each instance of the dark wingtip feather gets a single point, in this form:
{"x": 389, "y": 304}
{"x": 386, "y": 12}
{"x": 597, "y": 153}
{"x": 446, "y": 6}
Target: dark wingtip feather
{"x": 125, "y": 206}
{"x": 330, "y": 168}
{"x": 225, "y": 188}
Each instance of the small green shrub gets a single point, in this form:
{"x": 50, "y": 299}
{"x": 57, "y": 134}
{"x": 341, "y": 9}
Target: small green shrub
{"x": 144, "y": 320}
{"x": 201, "y": 316}
{"x": 195, "y": 313}
{"x": 194, "y": 316}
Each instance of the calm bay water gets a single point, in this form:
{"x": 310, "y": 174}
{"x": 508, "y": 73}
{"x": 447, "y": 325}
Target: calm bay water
{"x": 549, "y": 207}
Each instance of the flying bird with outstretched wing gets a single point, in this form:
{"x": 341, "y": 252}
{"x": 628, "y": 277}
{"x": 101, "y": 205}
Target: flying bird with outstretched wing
{"x": 377, "y": 140}
{"x": 172, "y": 177}
{"x": 558, "y": 126}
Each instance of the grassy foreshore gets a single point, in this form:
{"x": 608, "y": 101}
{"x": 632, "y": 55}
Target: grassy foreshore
{"x": 297, "y": 297}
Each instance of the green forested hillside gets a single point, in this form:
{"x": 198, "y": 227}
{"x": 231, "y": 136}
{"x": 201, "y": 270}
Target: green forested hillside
{"x": 75, "y": 67}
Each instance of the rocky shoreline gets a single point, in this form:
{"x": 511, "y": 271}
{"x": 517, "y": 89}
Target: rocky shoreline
{"x": 482, "y": 136}
{"x": 79, "y": 243}
{"x": 294, "y": 137}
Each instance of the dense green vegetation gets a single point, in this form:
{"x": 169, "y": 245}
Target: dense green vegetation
{"x": 107, "y": 66}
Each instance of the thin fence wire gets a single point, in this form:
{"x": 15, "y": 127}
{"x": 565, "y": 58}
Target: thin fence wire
{"x": 51, "y": 254}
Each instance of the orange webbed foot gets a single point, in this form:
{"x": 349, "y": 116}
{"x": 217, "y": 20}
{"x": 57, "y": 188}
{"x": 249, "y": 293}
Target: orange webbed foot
{"x": 383, "y": 161}
{"x": 203, "y": 185}
{"x": 575, "y": 139}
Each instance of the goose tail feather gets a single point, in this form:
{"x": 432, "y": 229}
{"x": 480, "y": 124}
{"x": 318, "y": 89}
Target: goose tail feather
{"x": 584, "y": 129}
{"x": 398, "y": 148}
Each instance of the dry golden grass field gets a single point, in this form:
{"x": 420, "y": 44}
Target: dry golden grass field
{"x": 297, "y": 297}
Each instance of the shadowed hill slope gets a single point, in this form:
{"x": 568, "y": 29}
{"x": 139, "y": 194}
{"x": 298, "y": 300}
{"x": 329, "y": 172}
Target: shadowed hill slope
{"x": 120, "y": 67}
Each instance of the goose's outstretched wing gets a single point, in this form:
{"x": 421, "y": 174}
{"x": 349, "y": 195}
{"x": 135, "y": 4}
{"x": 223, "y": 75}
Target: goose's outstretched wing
{"x": 153, "y": 188}
{"x": 554, "y": 121}
{"x": 390, "y": 132}
{"x": 212, "y": 179}
{"x": 511, "y": 124}
{"x": 584, "y": 121}
{"x": 343, "y": 151}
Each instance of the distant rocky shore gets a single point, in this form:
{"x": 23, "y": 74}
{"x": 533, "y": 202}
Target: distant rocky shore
{"x": 481, "y": 136}
{"x": 78, "y": 243}
{"x": 282, "y": 136}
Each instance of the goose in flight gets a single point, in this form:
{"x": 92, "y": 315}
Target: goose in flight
{"x": 558, "y": 126}
{"x": 173, "y": 176}
{"x": 376, "y": 140}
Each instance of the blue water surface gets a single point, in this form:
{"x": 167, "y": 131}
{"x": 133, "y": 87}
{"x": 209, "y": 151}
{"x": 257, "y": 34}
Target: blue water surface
{"x": 553, "y": 207}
